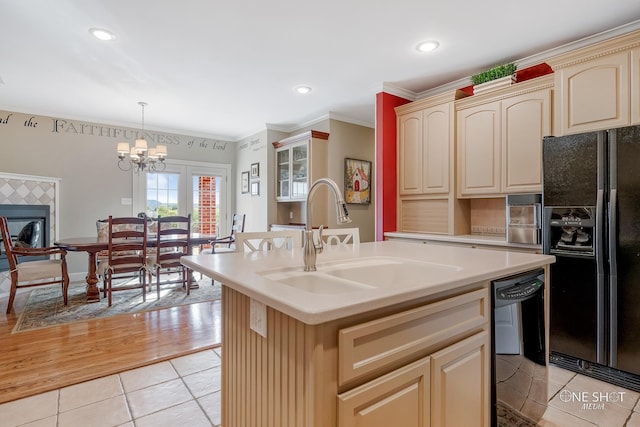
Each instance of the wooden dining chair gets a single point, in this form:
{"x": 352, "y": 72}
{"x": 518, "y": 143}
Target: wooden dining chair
{"x": 227, "y": 243}
{"x": 25, "y": 274}
{"x": 127, "y": 254}
{"x": 267, "y": 240}
{"x": 173, "y": 241}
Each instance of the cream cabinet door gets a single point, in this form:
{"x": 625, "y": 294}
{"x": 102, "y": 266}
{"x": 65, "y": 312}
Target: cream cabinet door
{"x": 410, "y": 153}
{"x": 635, "y": 86}
{"x": 526, "y": 119}
{"x": 436, "y": 149}
{"x": 460, "y": 376}
{"x": 593, "y": 95}
{"x": 479, "y": 150}
{"x": 400, "y": 398}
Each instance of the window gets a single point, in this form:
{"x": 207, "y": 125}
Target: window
{"x": 199, "y": 189}
{"x": 162, "y": 194}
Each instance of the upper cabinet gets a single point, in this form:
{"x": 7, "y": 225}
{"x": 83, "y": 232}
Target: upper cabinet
{"x": 425, "y": 147}
{"x": 479, "y": 149}
{"x": 499, "y": 139}
{"x": 300, "y": 160}
{"x": 597, "y": 87}
{"x": 426, "y": 167}
{"x": 526, "y": 119}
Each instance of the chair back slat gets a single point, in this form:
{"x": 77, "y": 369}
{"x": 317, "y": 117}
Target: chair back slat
{"x": 127, "y": 244}
{"x": 237, "y": 223}
{"x": 339, "y": 236}
{"x": 173, "y": 240}
{"x": 261, "y": 241}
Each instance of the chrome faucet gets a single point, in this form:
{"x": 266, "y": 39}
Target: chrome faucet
{"x": 311, "y": 248}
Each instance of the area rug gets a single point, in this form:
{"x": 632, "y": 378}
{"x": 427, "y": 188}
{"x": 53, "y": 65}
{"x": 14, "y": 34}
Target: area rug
{"x": 45, "y": 306}
{"x": 509, "y": 417}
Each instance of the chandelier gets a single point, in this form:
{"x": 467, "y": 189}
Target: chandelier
{"x": 140, "y": 156}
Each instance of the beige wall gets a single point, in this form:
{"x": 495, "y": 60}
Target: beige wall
{"x": 355, "y": 142}
{"x": 84, "y": 156}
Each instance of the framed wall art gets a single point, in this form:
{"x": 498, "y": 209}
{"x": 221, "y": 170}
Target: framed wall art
{"x": 255, "y": 170}
{"x": 357, "y": 181}
{"x": 244, "y": 182}
{"x": 255, "y": 188}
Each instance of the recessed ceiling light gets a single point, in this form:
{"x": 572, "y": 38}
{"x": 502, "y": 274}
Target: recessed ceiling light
{"x": 102, "y": 34}
{"x": 303, "y": 89}
{"x": 427, "y": 46}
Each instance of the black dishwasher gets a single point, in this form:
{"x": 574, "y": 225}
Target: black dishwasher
{"x": 527, "y": 291}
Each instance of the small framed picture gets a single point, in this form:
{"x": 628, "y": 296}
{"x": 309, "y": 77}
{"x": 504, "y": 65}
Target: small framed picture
{"x": 255, "y": 188}
{"x": 244, "y": 182}
{"x": 357, "y": 181}
{"x": 255, "y": 170}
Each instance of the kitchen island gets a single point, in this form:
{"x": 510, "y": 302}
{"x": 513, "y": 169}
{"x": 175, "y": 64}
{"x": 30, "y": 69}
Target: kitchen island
{"x": 384, "y": 333}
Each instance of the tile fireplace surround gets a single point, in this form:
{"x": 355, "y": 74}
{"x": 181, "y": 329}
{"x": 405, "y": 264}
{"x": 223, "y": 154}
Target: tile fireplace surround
{"x": 18, "y": 189}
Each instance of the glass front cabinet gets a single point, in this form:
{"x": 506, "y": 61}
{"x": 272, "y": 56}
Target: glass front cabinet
{"x": 300, "y": 160}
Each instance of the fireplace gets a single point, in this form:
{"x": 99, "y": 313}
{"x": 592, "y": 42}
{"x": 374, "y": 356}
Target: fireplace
{"x": 29, "y": 227}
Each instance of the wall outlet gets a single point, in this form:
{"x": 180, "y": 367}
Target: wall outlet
{"x": 258, "y": 317}
{"x": 290, "y": 214}
{"x": 126, "y": 201}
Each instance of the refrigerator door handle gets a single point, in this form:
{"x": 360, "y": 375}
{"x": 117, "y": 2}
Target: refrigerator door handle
{"x": 613, "y": 280}
{"x": 613, "y": 249}
{"x": 601, "y": 335}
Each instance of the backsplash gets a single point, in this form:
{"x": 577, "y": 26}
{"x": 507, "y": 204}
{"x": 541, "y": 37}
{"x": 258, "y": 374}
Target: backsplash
{"x": 488, "y": 216}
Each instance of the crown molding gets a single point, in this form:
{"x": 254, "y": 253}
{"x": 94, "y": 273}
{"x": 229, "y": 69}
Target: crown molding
{"x": 534, "y": 59}
{"x": 343, "y": 118}
{"x": 396, "y": 90}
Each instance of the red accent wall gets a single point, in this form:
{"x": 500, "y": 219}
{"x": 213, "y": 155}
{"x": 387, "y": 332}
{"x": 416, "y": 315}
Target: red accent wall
{"x": 386, "y": 174}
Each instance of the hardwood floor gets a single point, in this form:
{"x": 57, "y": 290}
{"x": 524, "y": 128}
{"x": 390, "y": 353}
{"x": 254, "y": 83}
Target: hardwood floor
{"x": 32, "y": 362}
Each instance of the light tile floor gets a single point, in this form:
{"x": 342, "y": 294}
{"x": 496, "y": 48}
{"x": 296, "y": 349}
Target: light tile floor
{"x": 580, "y": 401}
{"x": 186, "y": 391}
{"x": 575, "y": 400}
{"x": 181, "y": 391}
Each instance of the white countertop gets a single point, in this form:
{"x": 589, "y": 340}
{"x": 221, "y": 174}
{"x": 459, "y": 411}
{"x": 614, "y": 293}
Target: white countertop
{"x": 472, "y": 239}
{"x": 242, "y": 272}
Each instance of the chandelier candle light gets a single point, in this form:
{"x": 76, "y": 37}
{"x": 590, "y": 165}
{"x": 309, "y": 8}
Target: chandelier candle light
{"x": 140, "y": 156}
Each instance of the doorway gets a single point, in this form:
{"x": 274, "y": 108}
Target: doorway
{"x": 199, "y": 189}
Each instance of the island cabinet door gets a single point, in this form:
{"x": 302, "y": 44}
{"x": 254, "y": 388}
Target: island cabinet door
{"x": 399, "y": 398}
{"x": 460, "y": 389}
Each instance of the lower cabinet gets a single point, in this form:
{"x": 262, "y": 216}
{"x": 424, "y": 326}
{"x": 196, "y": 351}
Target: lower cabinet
{"x": 460, "y": 383}
{"x": 400, "y": 398}
{"x": 451, "y": 387}
{"x": 439, "y": 390}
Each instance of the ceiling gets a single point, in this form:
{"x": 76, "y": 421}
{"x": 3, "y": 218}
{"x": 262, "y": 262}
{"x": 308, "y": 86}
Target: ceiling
{"x": 228, "y": 69}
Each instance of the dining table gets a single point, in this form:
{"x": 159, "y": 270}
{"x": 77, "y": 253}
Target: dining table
{"x": 94, "y": 245}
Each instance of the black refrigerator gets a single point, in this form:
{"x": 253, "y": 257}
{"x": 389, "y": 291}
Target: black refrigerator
{"x": 591, "y": 223}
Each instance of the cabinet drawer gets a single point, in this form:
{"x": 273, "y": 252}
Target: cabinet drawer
{"x": 393, "y": 340}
